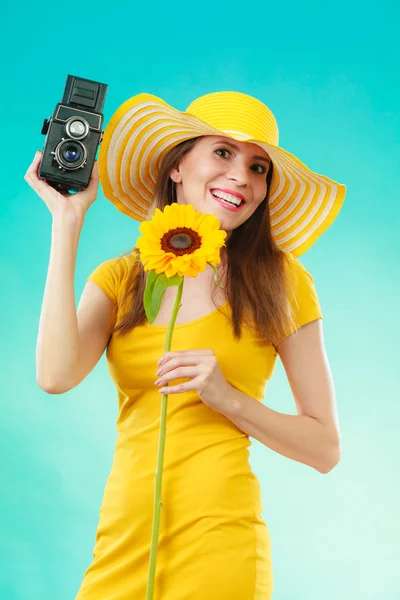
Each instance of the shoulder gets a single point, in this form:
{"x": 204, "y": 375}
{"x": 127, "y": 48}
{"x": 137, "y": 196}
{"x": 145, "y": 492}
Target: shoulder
{"x": 121, "y": 265}
{"x": 118, "y": 267}
{"x": 298, "y": 277}
{"x": 295, "y": 267}
{"x": 302, "y": 292}
{"x": 303, "y": 301}
{"x": 114, "y": 274}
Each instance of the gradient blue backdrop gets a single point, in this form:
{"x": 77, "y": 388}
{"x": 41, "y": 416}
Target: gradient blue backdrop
{"x": 329, "y": 72}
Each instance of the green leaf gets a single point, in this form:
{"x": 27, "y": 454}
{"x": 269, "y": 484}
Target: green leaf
{"x": 153, "y": 293}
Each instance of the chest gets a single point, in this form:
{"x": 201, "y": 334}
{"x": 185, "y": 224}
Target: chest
{"x": 132, "y": 359}
{"x": 196, "y": 301}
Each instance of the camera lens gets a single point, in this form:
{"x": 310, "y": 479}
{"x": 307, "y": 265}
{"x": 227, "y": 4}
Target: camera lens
{"x": 70, "y": 154}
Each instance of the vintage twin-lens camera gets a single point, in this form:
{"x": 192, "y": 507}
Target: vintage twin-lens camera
{"x": 73, "y": 135}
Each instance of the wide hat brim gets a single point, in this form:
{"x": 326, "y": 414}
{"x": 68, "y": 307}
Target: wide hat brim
{"x": 302, "y": 203}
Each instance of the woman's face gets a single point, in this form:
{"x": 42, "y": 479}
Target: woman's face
{"x": 221, "y": 166}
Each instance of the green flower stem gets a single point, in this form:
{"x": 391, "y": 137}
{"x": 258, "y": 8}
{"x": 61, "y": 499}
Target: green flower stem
{"x": 160, "y": 459}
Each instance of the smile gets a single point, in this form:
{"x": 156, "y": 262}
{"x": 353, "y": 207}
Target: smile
{"x": 228, "y": 201}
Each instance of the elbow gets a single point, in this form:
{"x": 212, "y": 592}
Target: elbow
{"x": 52, "y": 388}
{"x": 331, "y": 460}
{"x": 330, "y": 457}
{"x": 55, "y": 385}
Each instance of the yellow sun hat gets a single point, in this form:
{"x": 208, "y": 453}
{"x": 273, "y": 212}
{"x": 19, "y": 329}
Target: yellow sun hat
{"x": 302, "y": 204}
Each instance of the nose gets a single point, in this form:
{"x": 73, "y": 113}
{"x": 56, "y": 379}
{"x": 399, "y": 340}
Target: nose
{"x": 238, "y": 172}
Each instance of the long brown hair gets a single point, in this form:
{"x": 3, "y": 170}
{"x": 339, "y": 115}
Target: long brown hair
{"x": 255, "y": 280}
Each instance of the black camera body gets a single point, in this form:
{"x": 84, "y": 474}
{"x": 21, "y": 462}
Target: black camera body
{"x": 73, "y": 134}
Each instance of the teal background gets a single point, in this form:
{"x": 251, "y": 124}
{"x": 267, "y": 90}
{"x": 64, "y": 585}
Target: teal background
{"x": 329, "y": 72}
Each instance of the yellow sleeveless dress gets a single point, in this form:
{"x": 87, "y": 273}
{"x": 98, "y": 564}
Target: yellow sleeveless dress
{"x": 213, "y": 542}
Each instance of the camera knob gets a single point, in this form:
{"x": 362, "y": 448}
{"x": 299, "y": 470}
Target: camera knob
{"x": 45, "y": 126}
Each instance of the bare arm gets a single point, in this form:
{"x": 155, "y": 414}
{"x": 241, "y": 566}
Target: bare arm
{"x": 69, "y": 343}
{"x": 311, "y": 437}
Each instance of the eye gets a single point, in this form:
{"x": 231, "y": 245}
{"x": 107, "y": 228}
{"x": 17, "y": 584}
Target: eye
{"x": 222, "y": 150}
{"x": 262, "y": 170}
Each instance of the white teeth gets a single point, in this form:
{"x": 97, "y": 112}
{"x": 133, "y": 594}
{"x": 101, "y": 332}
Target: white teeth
{"x": 227, "y": 197}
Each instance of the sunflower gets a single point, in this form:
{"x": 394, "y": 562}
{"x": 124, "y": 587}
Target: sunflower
{"x": 180, "y": 241}
{"x": 177, "y": 241}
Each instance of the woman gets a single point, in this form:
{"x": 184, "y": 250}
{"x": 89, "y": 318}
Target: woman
{"x": 222, "y": 157}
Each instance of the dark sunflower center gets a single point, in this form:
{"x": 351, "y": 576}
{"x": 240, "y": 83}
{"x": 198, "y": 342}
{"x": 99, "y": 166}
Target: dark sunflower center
{"x": 181, "y": 241}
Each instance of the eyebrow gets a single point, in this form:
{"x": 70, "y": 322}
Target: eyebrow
{"x": 236, "y": 148}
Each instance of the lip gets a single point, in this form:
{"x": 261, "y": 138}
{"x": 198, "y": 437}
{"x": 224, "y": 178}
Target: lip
{"x": 229, "y": 192}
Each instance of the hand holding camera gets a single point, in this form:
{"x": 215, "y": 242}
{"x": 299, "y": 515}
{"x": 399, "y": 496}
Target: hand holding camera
{"x": 63, "y": 204}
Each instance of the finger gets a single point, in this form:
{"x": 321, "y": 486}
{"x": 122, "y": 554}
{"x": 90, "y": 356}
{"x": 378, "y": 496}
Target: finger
{"x": 178, "y": 373}
{"x": 94, "y": 177}
{"x": 176, "y": 361}
{"x": 178, "y": 389}
{"x": 32, "y": 175}
{"x": 95, "y": 170}
{"x": 32, "y": 169}
{"x": 190, "y": 360}
{"x": 172, "y": 354}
